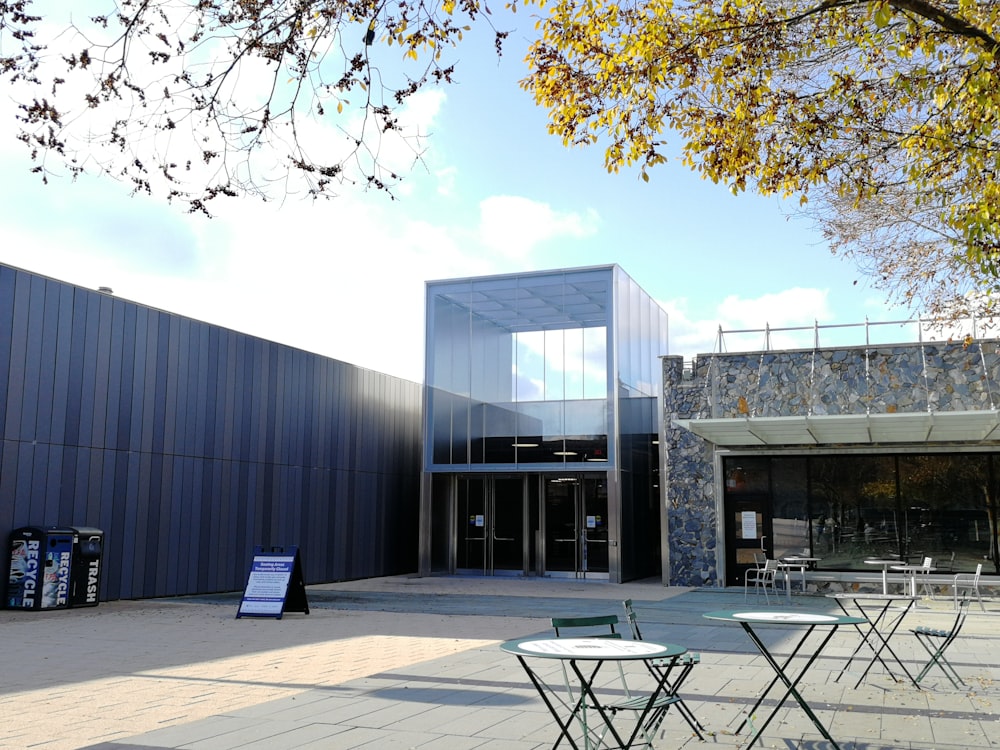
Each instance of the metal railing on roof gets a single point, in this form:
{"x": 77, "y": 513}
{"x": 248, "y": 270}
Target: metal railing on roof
{"x": 809, "y": 337}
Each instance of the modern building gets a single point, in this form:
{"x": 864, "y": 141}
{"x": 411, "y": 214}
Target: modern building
{"x": 532, "y": 449}
{"x": 540, "y": 452}
{"x": 845, "y": 454}
{"x": 189, "y": 445}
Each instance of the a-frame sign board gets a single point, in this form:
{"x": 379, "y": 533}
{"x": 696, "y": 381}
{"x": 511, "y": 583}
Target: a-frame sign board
{"x": 275, "y": 584}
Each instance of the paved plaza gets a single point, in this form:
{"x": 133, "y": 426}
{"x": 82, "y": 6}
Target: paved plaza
{"x": 411, "y": 662}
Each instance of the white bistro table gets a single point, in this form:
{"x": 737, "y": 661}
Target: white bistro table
{"x": 787, "y": 564}
{"x": 912, "y": 571}
{"x": 886, "y": 564}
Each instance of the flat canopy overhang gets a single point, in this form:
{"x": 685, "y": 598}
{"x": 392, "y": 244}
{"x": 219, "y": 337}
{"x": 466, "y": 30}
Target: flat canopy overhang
{"x": 855, "y": 429}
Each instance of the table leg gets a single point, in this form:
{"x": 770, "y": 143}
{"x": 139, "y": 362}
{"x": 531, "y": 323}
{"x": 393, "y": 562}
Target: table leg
{"x": 563, "y": 727}
{"x": 893, "y": 627}
{"x": 872, "y": 624}
{"x": 587, "y": 690}
{"x": 588, "y": 698}
{"x": 790, "y": 684}
{"x": 770, "y": 686}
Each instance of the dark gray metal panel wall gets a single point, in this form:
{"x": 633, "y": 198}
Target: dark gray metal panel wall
{"x": 189, "y": 444}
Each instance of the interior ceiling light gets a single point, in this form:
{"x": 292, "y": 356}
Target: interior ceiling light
{"x": 525, "y": 445}
{"x": 563, "y": 453}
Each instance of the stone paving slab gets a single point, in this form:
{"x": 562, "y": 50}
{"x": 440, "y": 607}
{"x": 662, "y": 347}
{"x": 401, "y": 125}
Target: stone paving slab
{"x": 414, "y": 663}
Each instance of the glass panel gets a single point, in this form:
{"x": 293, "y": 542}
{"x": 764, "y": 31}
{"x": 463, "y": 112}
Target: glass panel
{"x": 560, "y": 525}
{"x": 945, "y": 508}
{"x": 471, "y": 522}
{"x": 888, "y": 506}
{"x": 790, "y": 524}
{"x": 517, "y": 370}
{"x": 529, "y": 366}
{"x": 595, "y": 525}
{"x": 508, "y": 523}
{"x": 555, "y": 365}
{"x": 852, "y": 494}
{"x": 595, "y": 363}
{"x": 746, "y": 474}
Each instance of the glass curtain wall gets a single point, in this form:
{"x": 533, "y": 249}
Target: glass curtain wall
{"x": 518, "y": 370}
{"x": 848, "y": 508}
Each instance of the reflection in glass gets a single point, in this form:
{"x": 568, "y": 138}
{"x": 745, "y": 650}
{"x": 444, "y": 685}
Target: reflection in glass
{"x": 846, "y": 509}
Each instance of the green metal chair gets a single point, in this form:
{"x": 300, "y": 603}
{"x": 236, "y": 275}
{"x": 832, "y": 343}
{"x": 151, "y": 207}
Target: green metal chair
{"x": 598, "y": 621}
{"x": 935, "y": 642}
{"x": 686, "y": 664}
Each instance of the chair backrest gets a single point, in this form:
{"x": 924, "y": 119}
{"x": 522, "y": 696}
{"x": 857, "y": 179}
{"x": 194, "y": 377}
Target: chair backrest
{"x": 963, "y": 610}
{"x": 632, "y": 620}
{"x": 770, "y": 565}
{"x": 569, "y": 623}
{"x": 760, "y": 558}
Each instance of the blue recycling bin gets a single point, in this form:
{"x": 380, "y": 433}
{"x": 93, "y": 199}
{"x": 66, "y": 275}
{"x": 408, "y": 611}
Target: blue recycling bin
{"x": 40, "y": 568}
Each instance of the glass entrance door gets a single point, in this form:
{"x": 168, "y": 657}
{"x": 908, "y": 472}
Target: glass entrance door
{"x": 749, "y": 518}
{"x": 576, "y": 526}
{"x": 491, "y": 525}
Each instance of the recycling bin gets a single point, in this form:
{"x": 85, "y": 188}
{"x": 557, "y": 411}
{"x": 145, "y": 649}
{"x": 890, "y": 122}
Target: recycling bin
{"x": 40, "y": 565}
{"x": 85, "y": 574}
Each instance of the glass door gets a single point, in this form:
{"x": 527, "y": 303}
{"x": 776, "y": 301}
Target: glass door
{"x": 490, "y": 521}
{"x": 506, "y": 541}
{"x": 471, "y": 520}
{"x": 576, "y": 526}
{"x": 748, "y": 516}
{"x": 562, "y": 527}
{"x": 595, "y": 525}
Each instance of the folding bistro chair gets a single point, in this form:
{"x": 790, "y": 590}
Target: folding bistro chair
{"x": 599, "y": 621}
{"x": 686, "y": 663}
{"x": 761, "y": 578}
{"x": 565, "y": 627}
{"x": 935, "y": 642}
{"x": 969, "y": 584}
{"x": 563, "y": 624}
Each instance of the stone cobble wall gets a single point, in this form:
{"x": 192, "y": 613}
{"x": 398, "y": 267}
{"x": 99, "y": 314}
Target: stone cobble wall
{"x": 857, "y": 380}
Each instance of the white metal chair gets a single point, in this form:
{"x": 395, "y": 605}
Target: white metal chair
{"x": 968, "y": 583}
{"x": 762, "y": 579}
{"x": 925, "y": 576}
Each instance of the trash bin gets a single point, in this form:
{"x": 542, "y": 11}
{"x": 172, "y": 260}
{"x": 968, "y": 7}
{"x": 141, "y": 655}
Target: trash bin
{"x": 40, "y": 564}
{"x": 85, "y": 577}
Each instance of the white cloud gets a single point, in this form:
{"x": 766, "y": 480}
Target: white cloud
{"x": 513, "y": 226}
{"x": 745, "y": 322}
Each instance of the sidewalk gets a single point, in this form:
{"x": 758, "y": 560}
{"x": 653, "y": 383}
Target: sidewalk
{"x": 413, "y": 663}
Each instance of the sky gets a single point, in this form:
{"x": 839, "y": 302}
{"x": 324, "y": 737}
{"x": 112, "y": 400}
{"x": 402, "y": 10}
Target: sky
{"x": 495, "y": 194}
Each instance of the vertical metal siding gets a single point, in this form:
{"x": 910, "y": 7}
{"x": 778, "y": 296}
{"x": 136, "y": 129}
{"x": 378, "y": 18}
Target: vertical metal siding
{"x": 189, "y": 444}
